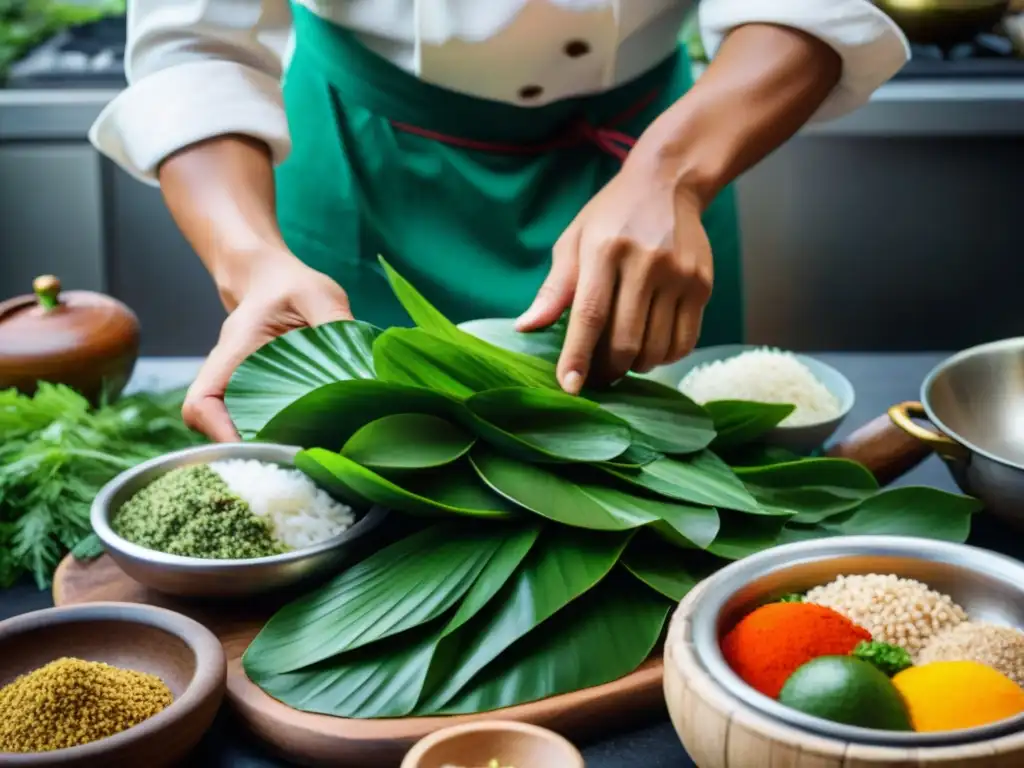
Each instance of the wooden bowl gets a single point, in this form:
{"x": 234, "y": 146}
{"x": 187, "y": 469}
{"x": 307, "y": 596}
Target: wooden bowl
{"x": 181, "y": 652}
{"x": 475, "y": 744}
{"x": 721, "y": 727}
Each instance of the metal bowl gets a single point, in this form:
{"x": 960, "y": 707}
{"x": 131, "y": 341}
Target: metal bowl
{"x": 201, "y": 577}
{"x": 988, "y": 586}
{"x": 802, "y": 439}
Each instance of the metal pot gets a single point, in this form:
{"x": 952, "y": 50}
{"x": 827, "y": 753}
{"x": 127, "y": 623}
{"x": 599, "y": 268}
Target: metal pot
{"x": 945, "y": 22}
{"x": 975, "y": 399}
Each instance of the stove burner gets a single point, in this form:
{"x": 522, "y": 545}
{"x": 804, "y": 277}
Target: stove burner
{"x": 987, "y": 56}
{"x": 985, "y": 46}
{"x": 88, "y": 55}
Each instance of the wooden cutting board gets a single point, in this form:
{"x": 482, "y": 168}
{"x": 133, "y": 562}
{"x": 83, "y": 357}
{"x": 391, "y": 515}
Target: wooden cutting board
{"x": 321, "y": 740}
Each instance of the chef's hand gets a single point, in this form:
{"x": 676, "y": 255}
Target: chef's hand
{"x": 280, "y": 295}
{"x": 635, "y": 270}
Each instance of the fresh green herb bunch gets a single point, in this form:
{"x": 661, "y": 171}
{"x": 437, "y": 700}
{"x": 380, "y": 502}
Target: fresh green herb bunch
{"x": 890, "y": 659}
{"x": 56, "y": 452}
{"x": 554, "y": 533}
{"x": 190, "y": 511}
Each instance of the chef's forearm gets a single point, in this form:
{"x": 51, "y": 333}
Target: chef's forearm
{"x": 221, "y": 194}
{"x": 764, "y": 84}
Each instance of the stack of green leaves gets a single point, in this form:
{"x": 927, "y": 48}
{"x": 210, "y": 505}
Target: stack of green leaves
{"x": 56, "y": 452}
{"x": 555, "y": 533}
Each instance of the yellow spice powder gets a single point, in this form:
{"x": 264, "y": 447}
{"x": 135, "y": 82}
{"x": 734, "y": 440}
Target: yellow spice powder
{"x": 70, "y": 702}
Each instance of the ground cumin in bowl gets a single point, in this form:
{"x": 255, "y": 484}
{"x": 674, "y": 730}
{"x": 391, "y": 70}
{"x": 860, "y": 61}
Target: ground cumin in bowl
{"x": 106, "y": 684}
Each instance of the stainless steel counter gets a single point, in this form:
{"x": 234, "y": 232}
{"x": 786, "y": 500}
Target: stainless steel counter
{"x": 894, "y": 228}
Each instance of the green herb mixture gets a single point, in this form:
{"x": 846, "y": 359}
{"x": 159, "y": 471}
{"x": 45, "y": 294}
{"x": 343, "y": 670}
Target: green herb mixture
{"x": 890, "y": 659}
{"x": 542, "y": 539}
{"x": 55, "y": 454}
{"x": 191, "y": 511}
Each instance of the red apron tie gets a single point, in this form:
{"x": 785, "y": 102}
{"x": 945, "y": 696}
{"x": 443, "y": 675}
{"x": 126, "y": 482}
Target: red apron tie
{"x": 606, "y": 138}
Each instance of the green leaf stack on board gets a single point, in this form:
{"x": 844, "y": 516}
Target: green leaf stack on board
{"x": 553, "y": 534}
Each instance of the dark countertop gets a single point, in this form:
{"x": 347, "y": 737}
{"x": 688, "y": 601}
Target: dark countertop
{"x": 879, "y": 381}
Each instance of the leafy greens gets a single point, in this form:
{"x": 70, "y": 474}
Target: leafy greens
{"x": 554, "y": 533}
{"x": 56, "y": 452}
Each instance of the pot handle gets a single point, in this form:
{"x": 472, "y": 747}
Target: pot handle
{"x": 903, "y": 416}
{"x": 883, "y": 448}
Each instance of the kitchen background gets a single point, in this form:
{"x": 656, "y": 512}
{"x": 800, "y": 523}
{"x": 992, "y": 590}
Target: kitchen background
{"x": 900, "y": 227}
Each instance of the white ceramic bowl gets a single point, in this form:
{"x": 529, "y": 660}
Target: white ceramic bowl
{"x": 799, "y": 439}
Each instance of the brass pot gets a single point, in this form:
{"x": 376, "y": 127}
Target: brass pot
{"x": 945, "y": 22}
{"x": 82, "y": 339}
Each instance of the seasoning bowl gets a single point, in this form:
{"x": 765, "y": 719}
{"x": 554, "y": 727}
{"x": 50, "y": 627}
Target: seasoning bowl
{"x": 724, "y": 723}
{"x": 208, "y": 578}
{"x": 181, "y": 652}
{"x": 803, "y": 439}
{"x": 475, "y": 744}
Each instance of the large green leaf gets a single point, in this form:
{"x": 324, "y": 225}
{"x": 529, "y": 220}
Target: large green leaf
{"x": 545, "y": 344}
{"x": 386, "y": 679}
{"x": 600, "y": 638}
{"x": 408, "y": 441}
{"x": 668, "y": 570}
{"x": 910, "y": 511}
{"x": 742, "y": 535}
{"x": 590, "y": 505}
{"x": 454, "y": 490}
{"x": 663, "y": 419}
{"x": 419, "y": 358}
{"x": 404, "y": 585}
{"x": 292, "y": 365}
{"x": 738, "y": 422}
{"x": 702, "y": 478}
{"x": 561, "y": 566}
{"x": 633, "y": 458}
{"x": 812, "y": 489}
{"x": 544, "y": 425}
{"x": 381, "y": 680}
{"x": 526, "y": 370}
{"x": 329, "y": 415}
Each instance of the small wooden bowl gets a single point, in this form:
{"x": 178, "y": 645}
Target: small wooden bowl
{"x": 181, "y": 652}
{"x": 721, "y": 729}
{"x": 472, "y": 745}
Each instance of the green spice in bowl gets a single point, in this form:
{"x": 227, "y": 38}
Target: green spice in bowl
{"x": 224, "y": 520}
{"x": 235, "y": 509}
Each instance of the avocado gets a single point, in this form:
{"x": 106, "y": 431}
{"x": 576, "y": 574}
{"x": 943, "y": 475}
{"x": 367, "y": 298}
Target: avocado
{"x": 847, "y": 690}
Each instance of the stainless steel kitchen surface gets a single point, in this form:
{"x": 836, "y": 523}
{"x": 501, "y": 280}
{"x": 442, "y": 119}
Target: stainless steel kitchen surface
{"x": 896, "y": 228}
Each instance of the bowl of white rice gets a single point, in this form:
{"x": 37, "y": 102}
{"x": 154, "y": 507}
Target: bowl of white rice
{"x": 822, "y": 397}
{"x": 254, "y": 525}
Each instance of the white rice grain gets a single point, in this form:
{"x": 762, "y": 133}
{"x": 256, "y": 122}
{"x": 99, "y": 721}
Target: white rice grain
{"x": 765, "y": 376}
{"x": 302, "y": 514}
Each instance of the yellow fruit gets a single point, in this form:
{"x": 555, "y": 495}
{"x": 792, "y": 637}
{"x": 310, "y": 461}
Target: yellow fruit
{"x": 950, "y": 695}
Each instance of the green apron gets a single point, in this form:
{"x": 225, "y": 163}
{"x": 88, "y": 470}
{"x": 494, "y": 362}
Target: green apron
{"x": 470, "y": 226}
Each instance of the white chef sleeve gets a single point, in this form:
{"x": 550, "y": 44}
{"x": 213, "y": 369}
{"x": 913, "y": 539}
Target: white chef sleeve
{"x": 870, "y": 44}
{"x": 197, "y": 69}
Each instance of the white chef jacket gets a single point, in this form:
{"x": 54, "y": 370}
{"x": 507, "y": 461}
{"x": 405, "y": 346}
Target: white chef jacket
{"x": 204, "y": 68}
